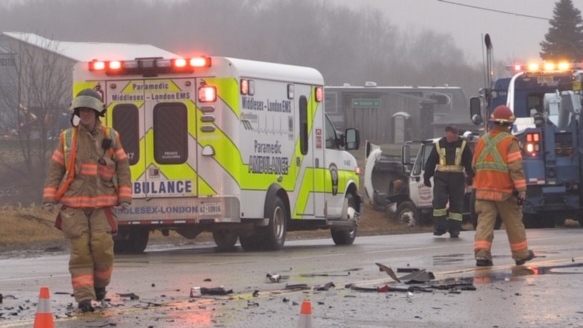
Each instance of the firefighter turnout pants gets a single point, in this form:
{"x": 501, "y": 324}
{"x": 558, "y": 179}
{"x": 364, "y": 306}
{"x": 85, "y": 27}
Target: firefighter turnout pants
{"x": 91, "y": 259}
{"x": 448, "y": 187}
{"x": 511, "y": 214}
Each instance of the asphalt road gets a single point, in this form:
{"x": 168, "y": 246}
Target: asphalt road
{"x": 544, "y": 293}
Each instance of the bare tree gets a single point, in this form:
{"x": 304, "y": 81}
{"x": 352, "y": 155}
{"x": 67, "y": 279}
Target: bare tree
{"x": 35, "y": 92}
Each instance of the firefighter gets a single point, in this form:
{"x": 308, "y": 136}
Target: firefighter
{"x": 88, "y": 175}
{"x": 499, "y": 176}
{"x": 446, "y": 163}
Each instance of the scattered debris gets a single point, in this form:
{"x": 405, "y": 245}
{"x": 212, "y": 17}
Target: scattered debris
{"x": 325, "y": 287}
{"x": 418, "y": 277}
{"x": 389, "y": 271}
{"x": 255, "y": 293}
{"x": 311, "y": 275}
{"x": 407, "y": 270}
{"x": 215, "y": 291}
{"x": 297, "y": 287}
{"x": 132, "y": 296}
{"x": 207, "y": 279}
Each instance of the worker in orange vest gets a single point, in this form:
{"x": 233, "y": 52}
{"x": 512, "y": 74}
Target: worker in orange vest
{"x": 88, "y": 174}
{"x": 499, "y": 175}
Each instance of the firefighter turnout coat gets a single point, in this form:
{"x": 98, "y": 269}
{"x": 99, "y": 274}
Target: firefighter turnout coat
{"x": 88, "y": 179}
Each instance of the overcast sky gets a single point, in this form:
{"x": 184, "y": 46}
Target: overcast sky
{"x": 515, "y": 37}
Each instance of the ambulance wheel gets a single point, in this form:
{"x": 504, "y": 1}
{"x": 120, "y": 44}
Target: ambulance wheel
{"x": 407, "y": 214}
{"x": 250, "y": 241}
{"x": 132, "y": 241}
{"x": 343, "y": 236}
{"x": 274, "y": 233}
{"x": 225, "y": 239}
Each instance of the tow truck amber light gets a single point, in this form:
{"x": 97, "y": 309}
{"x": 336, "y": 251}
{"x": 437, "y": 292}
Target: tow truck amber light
{"x": 546, "y": 67}
{"x": 207, "y": 94}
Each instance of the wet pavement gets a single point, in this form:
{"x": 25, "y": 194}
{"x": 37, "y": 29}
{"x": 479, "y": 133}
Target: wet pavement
{"x": 544, "y": 293}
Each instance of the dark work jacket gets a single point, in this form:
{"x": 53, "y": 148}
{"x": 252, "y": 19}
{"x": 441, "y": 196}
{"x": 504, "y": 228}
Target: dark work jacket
{"x": 450, "y": 148}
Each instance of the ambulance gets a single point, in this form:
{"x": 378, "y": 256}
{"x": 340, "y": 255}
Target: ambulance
{"x": 239, "y": 148}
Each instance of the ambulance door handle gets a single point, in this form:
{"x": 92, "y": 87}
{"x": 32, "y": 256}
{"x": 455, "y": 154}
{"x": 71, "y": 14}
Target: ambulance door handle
{"x": 298, "y": 161}
{"x": 317, "y": 163}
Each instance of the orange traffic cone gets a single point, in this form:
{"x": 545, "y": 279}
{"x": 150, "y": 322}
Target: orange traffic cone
{"x": 44, "y": 316}
{"x": 305, "y": 315}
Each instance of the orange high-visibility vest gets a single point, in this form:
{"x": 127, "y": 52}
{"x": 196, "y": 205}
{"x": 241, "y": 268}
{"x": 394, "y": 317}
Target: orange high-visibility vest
{"x": 491, "y": 158}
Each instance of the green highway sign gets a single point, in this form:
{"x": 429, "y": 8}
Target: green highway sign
{"x": 366, "y": 103}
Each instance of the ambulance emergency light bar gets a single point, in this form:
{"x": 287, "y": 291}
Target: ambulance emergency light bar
{"x": 149, "y": 66}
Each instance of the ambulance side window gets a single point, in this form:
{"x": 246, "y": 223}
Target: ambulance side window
{"x": 304, "y": 125}
{"x": 330, "y": 135}
{"x": 170, "y": 133}
{"x": 126, "y": 122}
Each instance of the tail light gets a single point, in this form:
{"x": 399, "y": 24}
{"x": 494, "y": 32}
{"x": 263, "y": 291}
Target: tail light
{"x": 532, "y": 146}
{"x": 207, "y": 93}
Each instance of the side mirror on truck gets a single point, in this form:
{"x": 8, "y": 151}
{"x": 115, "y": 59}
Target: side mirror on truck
{"x": 476, "y": 110}
{"x": 406, "y": 158}
{"x": 351, "y": 139}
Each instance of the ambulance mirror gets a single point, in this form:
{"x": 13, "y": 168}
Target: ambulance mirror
{"x": 352, "y": 139}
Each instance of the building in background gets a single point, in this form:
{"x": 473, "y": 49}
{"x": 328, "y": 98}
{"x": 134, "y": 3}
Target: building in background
{"x": 394, "y": 114}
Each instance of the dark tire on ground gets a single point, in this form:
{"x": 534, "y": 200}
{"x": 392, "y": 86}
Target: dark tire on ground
{"x": 343, "y": 236}
{"x": 408, "y": 214}
{"x": 131, "y": 241}
{"x": 225, "y": 239}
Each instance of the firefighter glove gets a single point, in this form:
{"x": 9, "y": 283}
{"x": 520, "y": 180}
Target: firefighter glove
{"x": 469, "y": 181}
{"x": 48, "y": 207}
{"x": 521, "y": 196}
{"x": 427, "y": 182}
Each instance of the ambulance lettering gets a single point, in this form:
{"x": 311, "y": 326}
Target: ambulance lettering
{"x": 163, "y": 187}
{"x": 268, "y": 164}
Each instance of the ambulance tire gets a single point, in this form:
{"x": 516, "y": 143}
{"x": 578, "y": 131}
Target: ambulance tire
{"x": 225, "y": 239}
{"x": 133, "y": 241}
{"x": 342, "y": 236}
{"x": 274, "y": 233}
{"x": 250, "y": 241}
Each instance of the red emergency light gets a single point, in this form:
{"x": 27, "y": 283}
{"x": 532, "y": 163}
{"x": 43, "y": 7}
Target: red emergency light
{"x": 207, "y": 93}
{"x": 532, "y": 146}
{"x": 149, "y": 66}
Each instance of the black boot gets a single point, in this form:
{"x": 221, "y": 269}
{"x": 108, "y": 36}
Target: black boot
{"x": 100, "y": 293}
{"x": 85, "y": 306}
{"x": 439, "y": 225}
{"x": 529, "y": 257}
{"x": 454, "y": 228}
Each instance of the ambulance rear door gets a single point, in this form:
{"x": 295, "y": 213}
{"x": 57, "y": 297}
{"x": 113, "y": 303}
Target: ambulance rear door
{"x": 156, "y": 119}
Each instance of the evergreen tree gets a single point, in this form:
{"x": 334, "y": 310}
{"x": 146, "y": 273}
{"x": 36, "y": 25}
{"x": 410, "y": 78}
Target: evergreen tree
{"x": 564, "y": 41}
